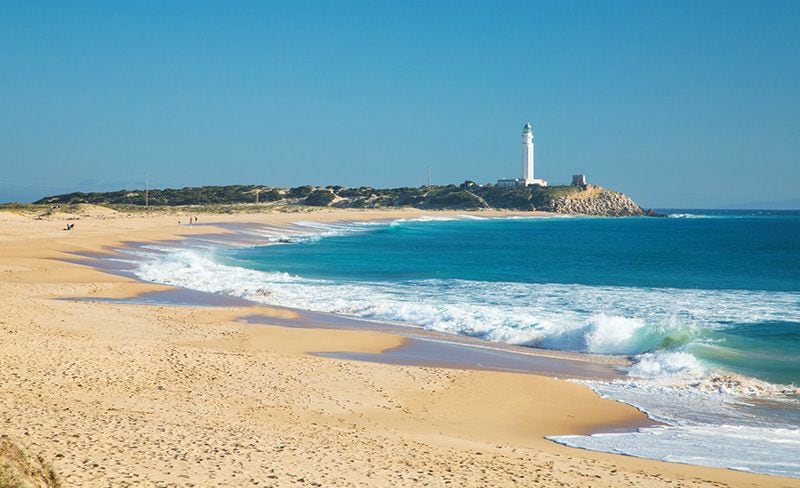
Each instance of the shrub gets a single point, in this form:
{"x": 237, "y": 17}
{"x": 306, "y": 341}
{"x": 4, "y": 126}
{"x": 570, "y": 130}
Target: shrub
{"x": 453, "y": 199}
{"x": 300, "y": 191}
{"x": 320, "y": 198}
{"x": 512, "y": 198}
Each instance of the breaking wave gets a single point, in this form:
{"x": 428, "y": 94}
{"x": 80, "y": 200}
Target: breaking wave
{"x": 593, "y": 319}
{"x": 708, "y": 412}
{"x": 688, "y": 216}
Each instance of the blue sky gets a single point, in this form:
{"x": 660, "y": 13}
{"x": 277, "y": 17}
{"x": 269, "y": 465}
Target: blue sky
{"x": 678, "y": 104}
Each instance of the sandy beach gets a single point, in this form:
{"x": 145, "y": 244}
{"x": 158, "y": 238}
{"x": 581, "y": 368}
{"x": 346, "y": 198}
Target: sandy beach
{"x": 116, "y": 394}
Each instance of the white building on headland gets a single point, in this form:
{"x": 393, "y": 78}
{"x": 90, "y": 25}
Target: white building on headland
{"x": 527, "y": 162}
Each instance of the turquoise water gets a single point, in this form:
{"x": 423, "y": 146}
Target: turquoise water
{"x": 677, "y": 266}
{"x": 706, "y": 304}
{"x": 738, "y": 251}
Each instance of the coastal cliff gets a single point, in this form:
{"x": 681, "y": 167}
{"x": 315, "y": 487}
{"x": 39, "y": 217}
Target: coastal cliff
{"x": 573, "y": 200}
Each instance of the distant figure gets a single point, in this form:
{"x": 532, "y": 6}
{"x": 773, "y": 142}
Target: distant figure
{"x": 69, "y": 226}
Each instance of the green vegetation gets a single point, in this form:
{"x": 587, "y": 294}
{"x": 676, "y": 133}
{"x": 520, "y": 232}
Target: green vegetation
{"x": 300, "y": 191}
{"x": 243, "y": 197}
{"x": 452, "y": 198}
{"x": 320, "y": 198}
{"x": 183, "y": 196}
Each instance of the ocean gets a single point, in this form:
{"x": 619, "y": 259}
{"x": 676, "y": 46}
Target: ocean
{"x": 705, "y": 303}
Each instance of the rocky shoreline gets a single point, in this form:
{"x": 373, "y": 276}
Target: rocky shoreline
{"x": 602, "y": 202}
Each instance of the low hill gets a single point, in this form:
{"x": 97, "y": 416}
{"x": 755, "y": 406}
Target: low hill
{"x": 586, "y": 200}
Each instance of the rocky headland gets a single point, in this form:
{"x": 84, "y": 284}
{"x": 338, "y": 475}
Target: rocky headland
{"x": 597, "y": 201}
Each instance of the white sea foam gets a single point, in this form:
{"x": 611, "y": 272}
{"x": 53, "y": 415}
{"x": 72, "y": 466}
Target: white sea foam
{"x": 707, "y": 420}
{"x": 308, "y": 231}
{"x": 670, "y": 364}
{"x": 704, "y": 423}
{"x": 764, "y": 450}
{"x": 610, "y": 320}
{"x": 688, "y": 216}
{"x": 426, "y": 218}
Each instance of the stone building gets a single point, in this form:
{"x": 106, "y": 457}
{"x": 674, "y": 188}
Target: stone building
{"x": 578, "y": 180}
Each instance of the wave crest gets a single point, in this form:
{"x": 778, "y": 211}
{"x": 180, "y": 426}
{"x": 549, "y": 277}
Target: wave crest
{"x": 688, "y": 216}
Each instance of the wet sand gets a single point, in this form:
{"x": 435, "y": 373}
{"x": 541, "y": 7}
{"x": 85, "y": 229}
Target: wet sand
{"x": 154, "y": 394}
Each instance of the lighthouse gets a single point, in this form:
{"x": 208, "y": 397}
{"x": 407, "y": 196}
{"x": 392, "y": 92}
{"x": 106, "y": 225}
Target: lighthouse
{"x": 527, "y": 154}
{"x": 527, "y": 163}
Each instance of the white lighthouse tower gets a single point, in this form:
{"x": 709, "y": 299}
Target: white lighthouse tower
{"x": 527, "y": 162}
{"x": 527, "y": 154}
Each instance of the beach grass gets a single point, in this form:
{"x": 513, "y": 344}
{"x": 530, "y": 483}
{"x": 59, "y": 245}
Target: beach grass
{"x": 20, "y": 469}
{"x": 46, "y": 210}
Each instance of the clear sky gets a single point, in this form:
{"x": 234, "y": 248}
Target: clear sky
{"x": 678, "y": 104}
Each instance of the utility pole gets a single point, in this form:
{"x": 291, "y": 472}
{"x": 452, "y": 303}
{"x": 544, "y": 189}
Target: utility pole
{"x": 147, "y": 190}
{"x": 429, "y": 176}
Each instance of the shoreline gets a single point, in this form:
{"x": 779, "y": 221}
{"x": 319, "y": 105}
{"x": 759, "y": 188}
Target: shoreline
{"x": 437, "y": 410}
{"x": 179, "y": 296}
